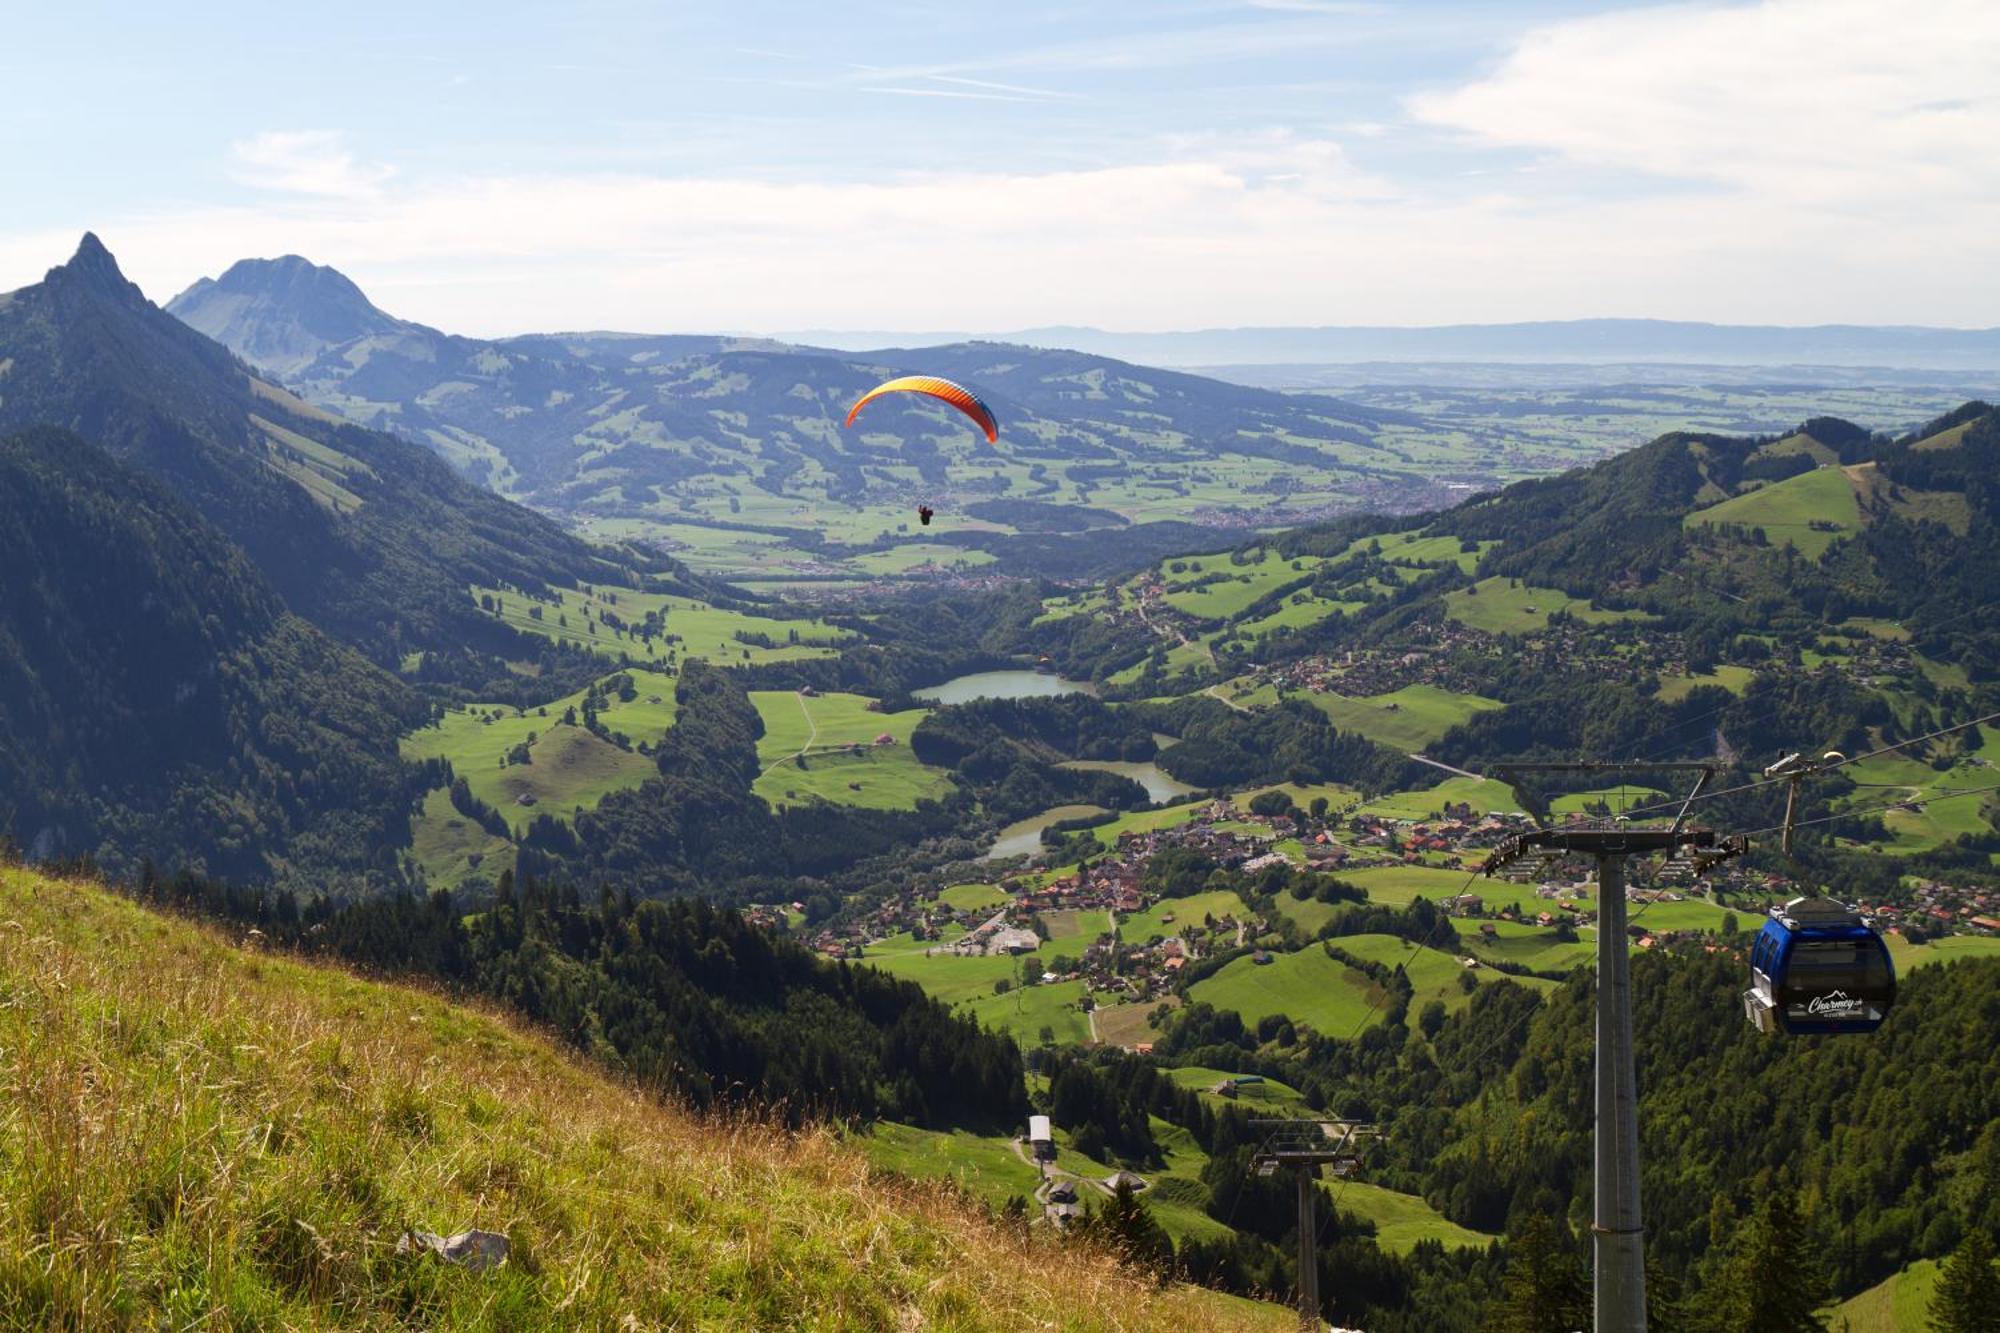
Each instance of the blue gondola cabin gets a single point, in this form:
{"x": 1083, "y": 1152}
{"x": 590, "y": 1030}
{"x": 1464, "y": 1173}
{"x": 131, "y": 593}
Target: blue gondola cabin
{"x": 1817, "y": 968}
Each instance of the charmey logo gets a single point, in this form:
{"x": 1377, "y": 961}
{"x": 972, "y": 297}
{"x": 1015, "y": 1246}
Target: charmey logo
{"x": 1834, "y": 1004}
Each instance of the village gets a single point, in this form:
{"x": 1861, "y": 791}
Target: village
{"x": 1117, "y": 966}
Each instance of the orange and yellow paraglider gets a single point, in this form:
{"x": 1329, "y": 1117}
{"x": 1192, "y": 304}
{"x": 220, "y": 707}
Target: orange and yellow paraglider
{"x": 960, "y": 397}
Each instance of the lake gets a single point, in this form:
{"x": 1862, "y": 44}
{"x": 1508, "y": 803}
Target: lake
{"x": 1160, "y": 788}
{"x": 1002, "y": 685}
{"x": 1025, "y": 837}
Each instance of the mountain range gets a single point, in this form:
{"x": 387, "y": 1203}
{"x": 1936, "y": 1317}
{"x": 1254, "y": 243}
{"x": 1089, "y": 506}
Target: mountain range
{"x": 653, "y": 431}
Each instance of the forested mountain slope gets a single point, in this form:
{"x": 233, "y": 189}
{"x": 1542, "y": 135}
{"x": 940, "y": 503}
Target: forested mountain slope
{"x": 363, "y": 533}
{"x": 157, "y": 699}
{"x": 249, "y": 1137}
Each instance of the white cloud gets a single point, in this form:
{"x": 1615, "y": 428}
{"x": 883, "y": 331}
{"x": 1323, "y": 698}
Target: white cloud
{"x": 1785, "y": 162}
{"x": 1826, "y": 102}
{"x": 311, "y": 162}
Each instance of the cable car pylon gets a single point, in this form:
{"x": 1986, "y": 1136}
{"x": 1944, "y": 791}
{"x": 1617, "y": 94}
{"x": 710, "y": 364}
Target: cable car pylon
{"x": 1618, "y": 1252}
{"x": 1306, "y": 1146}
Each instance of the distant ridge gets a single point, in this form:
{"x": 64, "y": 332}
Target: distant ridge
{"x": 1580, "y": 341}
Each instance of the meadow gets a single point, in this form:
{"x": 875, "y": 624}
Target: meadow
{"x": 693, "y": 629}
{"x": 255, "y": 1131}
{"x": 1405, "y": 719}
{"x": 1809, "y": 511}
{"x": 569, "y": 769}
{"x": 1507, "y": 606}
{"x": 823, "y": 731}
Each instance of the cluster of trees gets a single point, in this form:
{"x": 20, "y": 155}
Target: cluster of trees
{"x": 1293, "y": 742}
{"x": 687, "y": 999}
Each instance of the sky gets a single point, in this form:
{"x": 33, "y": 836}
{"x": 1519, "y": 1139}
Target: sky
{"x": 768, "y": 167}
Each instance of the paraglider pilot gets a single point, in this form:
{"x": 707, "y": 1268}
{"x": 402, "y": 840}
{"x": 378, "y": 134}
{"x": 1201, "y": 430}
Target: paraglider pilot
{"x": 924, "y": 515}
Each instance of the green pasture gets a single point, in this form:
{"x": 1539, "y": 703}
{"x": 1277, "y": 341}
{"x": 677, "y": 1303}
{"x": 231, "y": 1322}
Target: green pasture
{"x": 1484, "y": 795}
{"x": 569, "y": 770}
{"x": 1901, "y": 778}
{"x": 1404, "y": 1221}
{"x": 975, "y": 897}
{"x": 1410, "y": 549}
{"x": 1024, "y": 1011}
{"x": 1235, "y": 586}
{"x": 1405, "y": 719}
{"x": 1617, "y": 799}
{"x": 453, "y": 849}
{"x": 1948, "y": 949}
{"x": 809, "y": 752}
{"x": 1526, "y": 944}
{"x": 1307, "y": 987}
{"x": 1192, "y": 910}
{"x": 1900, "y": 1303}
{"x": 1735, "y": 679}
{"x": 693, "y": 629}
{"x": 1309, "y": 914}
{"x": 1300, "y": 610}
{"x": 1504, "y": 606}
{"x": 1268, "y": 1093}
{"x": 1809, "y": 511}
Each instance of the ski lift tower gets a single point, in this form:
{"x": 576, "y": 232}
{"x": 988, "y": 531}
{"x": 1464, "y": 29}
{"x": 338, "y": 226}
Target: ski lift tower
{"x": 1618, "y": 1253}
{"x": 1306, "y": 1146}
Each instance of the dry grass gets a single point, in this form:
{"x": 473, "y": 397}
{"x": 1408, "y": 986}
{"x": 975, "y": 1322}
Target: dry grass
{"x": 197, "y": 1136}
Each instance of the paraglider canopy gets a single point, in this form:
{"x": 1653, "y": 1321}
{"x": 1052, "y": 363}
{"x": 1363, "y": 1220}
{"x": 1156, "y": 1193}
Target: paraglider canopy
{"x": 944, "y": 391}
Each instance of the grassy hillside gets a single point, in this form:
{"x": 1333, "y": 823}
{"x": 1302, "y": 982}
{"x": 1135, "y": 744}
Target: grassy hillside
{"x": 1809, "y": 510}
{"x": 1898, "y": 1304}
{"x": 200, "y": 1135}
{"x": 569, "y": 769}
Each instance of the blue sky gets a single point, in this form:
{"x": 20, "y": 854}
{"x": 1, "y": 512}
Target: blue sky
{"x": 764, "y": 166}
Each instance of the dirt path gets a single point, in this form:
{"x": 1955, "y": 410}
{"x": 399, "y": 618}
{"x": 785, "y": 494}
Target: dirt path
{"x": 812, "y": 734}
{"x": 1423, "y": 759}
{"x": 1212, "y": 692}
